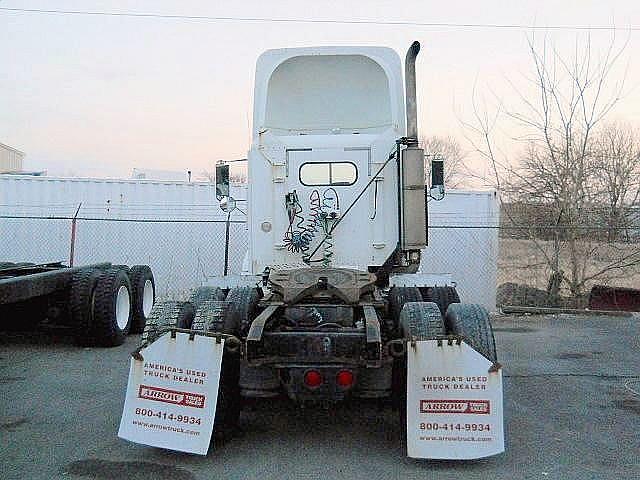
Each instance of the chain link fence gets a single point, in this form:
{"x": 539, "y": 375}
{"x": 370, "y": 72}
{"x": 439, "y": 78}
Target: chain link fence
{"x": 555, "y": 258}
{"x": 529, "y": 264}
{"x": 183, "y": 254}
{"x": 468, "y": 255}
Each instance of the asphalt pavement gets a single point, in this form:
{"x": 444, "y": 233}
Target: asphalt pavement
{"x": 570, "y": 413}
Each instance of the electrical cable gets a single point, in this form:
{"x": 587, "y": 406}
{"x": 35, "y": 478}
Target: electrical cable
{"x": 375, "y": 202}
{"x": 311, "y": 227}
{"x": 330, "y": 202}
{"x": 212, "y": 18}
{"x": 298, "y": 240}
{"x": 330, "y": 207}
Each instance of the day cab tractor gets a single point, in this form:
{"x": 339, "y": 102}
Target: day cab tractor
{"x": 337, "y": 219}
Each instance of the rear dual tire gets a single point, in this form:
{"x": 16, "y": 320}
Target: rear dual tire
{"x": 442, "y": 296}
{"x": 418, "y": 321}
{"x": 214, "y": 316}
{"x": 143, "y": 287}
{"x": 472, "y": 322}
{"x": 203, "y": 294}
{"x": 165, "y": 315}
{"x": 100, "y": 304}
{"x": 112, "y": 312}
{"x": 232, "y": 317}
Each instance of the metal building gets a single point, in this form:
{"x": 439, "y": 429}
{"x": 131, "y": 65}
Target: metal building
{"x": 10, "y": 159}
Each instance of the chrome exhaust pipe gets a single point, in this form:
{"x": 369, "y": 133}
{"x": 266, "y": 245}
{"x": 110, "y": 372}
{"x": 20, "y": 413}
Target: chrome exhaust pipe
{"x": 410, "y": 91}
{"x": 413, "y": 233}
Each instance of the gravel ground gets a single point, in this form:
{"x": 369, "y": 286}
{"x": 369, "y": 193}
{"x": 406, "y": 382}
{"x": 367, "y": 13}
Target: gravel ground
{"x": 569, "y": 414}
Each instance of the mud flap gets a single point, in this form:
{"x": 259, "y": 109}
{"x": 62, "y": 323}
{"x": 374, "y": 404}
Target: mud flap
{"x": 172, "y": 393}
{"x": 454, "y": 402}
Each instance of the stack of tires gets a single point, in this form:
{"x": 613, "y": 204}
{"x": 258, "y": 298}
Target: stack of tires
{"x": 107, "y": 304}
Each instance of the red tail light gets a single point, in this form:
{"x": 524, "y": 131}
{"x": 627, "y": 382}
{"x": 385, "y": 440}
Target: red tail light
{"x": 312, "y": 379}
{"x": 344, "y": 378}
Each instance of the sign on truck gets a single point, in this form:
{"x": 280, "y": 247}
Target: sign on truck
{"x": 454, "y": 402}
{"x": 172, "y": 393}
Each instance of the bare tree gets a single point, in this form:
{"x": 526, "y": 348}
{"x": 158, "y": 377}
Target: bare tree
{"x": 448, "y": 149}
{"x": 237, "y": 174}
{"x": 617, "y": 157}
{"x": 208, "y": 176}
{"x": 558, "y": 170}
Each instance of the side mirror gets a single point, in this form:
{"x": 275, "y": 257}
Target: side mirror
{"x": 437, "y": 178}
{"x": 437, "y": 172}
{"x": 222, "y": 181}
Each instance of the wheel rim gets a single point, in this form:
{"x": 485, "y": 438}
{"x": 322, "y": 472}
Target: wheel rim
{"x": 147, "y": 298}
{"x": 123, "y": 306}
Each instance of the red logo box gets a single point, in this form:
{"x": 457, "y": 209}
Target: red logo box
{"x": 475, "y": 407}
{"x": 175, "y": 397}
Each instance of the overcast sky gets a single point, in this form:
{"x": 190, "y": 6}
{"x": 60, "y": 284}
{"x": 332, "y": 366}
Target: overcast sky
{"x": 100, "y": 95}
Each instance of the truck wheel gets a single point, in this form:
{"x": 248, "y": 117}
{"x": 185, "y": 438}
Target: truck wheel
{"x": 212, "y": 317}
{"x": 166, "y": 314}
{"x": 144, "y": 295}
{"x": 398, "y": 296}
{"x": 419, "y": 321}
{"x": 202, "y": 294}
{"x": 242, "y": 306}
{"x": 111, "y": 308}
{"x": 472, "y": 322}
{"x": 441, "y": 296}
{"x": 83, "y": 285}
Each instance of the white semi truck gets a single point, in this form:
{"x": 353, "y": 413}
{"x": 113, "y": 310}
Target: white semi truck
{"x": 337, "y": 219}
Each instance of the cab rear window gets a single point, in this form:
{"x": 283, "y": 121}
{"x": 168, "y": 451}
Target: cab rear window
{"x": 328, "y": 173}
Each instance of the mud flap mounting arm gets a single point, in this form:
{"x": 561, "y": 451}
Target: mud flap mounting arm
{"x": 374, "y": 339}
{"x": 257, "y": 327}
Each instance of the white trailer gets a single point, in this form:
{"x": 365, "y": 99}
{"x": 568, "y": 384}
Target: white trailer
{"x": 177, "y": 228}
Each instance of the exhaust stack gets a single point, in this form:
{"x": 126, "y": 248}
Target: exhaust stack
{"x": 410, "y": 92}
{"x": 413, "y": 212}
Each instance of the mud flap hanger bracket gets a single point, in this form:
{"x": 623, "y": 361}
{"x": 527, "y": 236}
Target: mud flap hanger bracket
{"x": 232, "y": 343}
{"x": 398, "y": 347}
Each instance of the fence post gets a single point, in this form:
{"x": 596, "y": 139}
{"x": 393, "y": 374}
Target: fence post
{"x": 73, "y": 235}
{"x": 226, "y": 244}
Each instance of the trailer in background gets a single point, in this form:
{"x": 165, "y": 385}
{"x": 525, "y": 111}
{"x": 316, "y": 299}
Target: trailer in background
{"x": 100, "y": 303}
{"x": 179, "y": 230}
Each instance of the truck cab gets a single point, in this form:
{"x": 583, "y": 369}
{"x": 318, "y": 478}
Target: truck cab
{"x": 326, "y": 119}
